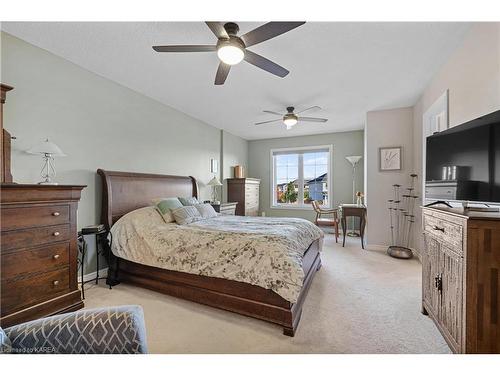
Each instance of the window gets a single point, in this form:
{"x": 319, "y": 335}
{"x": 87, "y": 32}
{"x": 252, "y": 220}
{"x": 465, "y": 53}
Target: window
{"x": 299, "y": 176}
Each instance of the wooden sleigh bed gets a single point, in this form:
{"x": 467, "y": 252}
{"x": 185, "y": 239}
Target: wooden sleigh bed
{"x": 124, "y": 192}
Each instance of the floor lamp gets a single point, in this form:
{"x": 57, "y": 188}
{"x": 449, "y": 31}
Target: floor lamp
{"x": 354, "y": 160}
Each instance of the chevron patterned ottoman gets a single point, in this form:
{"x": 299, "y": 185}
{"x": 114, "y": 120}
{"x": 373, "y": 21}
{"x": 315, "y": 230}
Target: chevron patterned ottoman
{"x": 113, "y": 330}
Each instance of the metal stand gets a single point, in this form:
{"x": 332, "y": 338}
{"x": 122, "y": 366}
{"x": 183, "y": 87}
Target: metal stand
{"x": 48, "y": 170}
{"x": 102, "y": 245}
{"x": 401, "y": 219}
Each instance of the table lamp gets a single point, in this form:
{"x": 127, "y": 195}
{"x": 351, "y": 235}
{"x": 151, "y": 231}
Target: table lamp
{"x": 214, "y": 182}
{"x": 48, "y": 150}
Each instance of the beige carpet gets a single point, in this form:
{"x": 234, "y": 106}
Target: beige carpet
{"x": 360, "y": 302}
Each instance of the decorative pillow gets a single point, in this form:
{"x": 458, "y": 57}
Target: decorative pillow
{"x": 5, "y": 344}
{"x": 186, "y": 215}
{"x": 165, "y": 206}
{"x": 191, "y": 201}
{"x": 206, "y": 210}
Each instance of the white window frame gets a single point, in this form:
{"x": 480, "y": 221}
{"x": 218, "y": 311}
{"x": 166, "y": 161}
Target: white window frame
{"x": 300, "y": 151}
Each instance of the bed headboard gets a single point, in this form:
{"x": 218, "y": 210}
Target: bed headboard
{"x": 123, "y": 192}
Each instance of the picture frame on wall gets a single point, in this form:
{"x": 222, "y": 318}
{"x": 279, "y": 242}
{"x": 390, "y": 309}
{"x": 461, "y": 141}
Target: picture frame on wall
{"x": 214, "y": 166}
{"x": 390, "y": 158}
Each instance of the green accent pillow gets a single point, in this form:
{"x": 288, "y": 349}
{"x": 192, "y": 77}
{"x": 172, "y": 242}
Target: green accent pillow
{"x": 166, "y": 205}
{"x": 191, "y": 201}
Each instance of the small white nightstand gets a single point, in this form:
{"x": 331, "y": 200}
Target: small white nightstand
{"x": 225, "y": 208}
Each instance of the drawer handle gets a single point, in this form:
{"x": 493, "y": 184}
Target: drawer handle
{"x": 55, "y": 213}
{"x": 438, "y": 228}
{"x": 56, "y": 256}
{"x": 56, "y": 234}
{"x": 55, "y": 282}
{"x": 438, "y": 282}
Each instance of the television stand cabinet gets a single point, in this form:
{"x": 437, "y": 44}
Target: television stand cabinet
{"x": 461, "y": 277}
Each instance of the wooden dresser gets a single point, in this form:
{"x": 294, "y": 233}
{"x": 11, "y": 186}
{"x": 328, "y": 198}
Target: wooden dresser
{"x": 460, "y": 277}
{"x": 245, "y": 191}
{"x": 38, "y": 256}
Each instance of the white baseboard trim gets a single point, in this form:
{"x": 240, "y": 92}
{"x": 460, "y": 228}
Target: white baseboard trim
{"x": 370, "y": 246}
{"x": 91, "y": 276}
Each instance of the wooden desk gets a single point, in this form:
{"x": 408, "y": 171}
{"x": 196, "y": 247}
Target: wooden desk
{"x": 353, "y": 210}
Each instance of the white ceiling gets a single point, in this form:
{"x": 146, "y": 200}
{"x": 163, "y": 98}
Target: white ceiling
{"x": 346, "y": 68}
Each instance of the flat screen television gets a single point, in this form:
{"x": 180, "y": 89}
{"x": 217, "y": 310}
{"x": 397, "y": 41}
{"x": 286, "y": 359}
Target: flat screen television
{"x": 463, "y": 162}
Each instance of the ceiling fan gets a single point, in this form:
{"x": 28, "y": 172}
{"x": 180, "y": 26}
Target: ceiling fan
{"x": 290, "y": 118}
{"x": 232, "y": 49}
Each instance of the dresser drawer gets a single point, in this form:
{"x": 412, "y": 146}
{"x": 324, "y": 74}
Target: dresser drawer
{"x": 20, "y": 292}
{"x": 34, "y": 216}
{"x": 38, "y": 260}
{"x": 254, "y": 192}
{"x": 228, "y": 210}
{"x": 251, "y": 202}
{"x": 33, "y": 237}
{"x": 252, "y": 212}
{"x": 445, "y": 231}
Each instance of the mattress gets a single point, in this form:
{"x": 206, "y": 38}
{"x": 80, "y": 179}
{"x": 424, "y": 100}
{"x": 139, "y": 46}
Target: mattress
{"x": 266, "y": 252}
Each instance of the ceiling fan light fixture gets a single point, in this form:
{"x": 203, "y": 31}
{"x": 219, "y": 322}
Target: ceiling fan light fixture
{"x": 231, "y": 48}
{"x": 289, "y": 120}
{"x": 230, "y": 53}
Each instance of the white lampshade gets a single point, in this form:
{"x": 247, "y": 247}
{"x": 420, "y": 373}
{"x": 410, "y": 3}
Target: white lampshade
{"x": 289, "y": 122}
{"x": 230, "y": 54}
{"x": 214, "y": 182}
{"x": 46, "y": 147}
{"x": 353, "y": 159}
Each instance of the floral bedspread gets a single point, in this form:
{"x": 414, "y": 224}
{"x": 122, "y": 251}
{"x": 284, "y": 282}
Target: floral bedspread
{"x": 261, "y": 251}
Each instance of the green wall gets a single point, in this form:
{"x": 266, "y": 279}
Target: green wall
{"x": 344, "y": 144}
{"x": 98, "y": 124}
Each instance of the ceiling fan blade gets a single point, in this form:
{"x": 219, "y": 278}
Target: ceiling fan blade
{"x": 308, "y": 109}
{"x": 263, "y": 63}
{"x": 185, "y": 48}
{"x": 268, "y": 31}
{"x": 312, "y": 119}
{"x": 273, "y": 113}
{"x": 218, "y": 29}
{"x": 222, "y": 72}
{"x": 267, "y": 122}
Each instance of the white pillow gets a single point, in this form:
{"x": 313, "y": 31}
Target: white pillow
{"x": 186, "y": 215}
{"x": 149, "y": 216}
{"x": 206, "y": 210}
